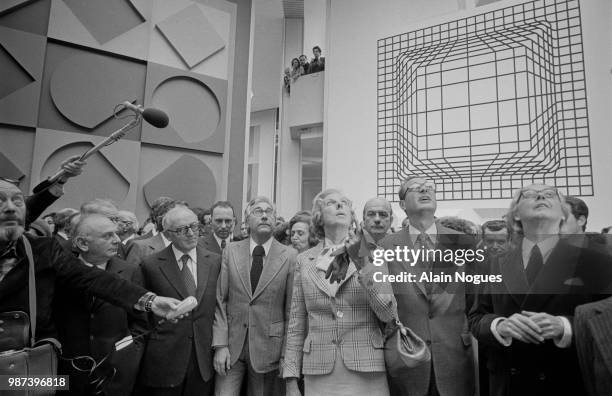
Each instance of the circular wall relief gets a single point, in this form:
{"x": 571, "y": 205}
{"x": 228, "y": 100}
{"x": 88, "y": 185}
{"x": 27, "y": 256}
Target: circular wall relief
{"x": 187, "y": 179}
{"x": 194, "y": 108}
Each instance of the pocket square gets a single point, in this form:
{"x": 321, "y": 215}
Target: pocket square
{"x": 574, "y": 282}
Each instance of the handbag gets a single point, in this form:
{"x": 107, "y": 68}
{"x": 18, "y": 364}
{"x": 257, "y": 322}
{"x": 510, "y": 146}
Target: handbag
{"x": 18, "y": 360}
{"x": 403, "y": 351}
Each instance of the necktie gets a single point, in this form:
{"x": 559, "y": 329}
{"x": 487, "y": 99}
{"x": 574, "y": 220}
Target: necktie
{"x": 223, "y": 244}
{"x": 257, "y": 267}
{"x": 536, "y": 262}
{"x": 188, "y": 276}
{"x": 424, "y": 243}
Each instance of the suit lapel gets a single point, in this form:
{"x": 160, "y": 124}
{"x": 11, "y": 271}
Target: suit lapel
{"x": 203, "y": 270}
{"x": 275, "y": 260}
{"x": 405, "y": 240}
{"x": 113, "y": 267}
{"x": 513, "y": 275}
{"x": 561, "y": 265}
{"x": 242, "y": 263}
{"x": 317, "y": 276}
{"x": 169, "y": 268}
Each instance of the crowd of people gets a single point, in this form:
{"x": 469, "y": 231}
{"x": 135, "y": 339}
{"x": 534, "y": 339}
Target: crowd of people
{"x": 301, "y": 66}
{"x": 280, "y": 313}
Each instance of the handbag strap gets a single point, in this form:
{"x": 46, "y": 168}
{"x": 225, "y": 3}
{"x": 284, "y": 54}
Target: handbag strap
{"x": 31, "y": 289}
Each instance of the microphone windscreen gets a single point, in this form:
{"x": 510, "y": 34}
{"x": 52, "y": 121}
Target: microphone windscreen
{"x": 155, "y": 117}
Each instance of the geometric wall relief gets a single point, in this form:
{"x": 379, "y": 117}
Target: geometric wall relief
{"x": 21, "y": 64}
{"x": 16, "y": 147}
{"x": 188, "y": 179}
{"x": 191, "y": 36}
{"x": 486, "y": 104}
{"x": 25, "y": 15}
{"x": 117, "y": 26}
{"x": 110, "y": 173}
{"x": 196, "y": 105}
{"x": 81, "y": 88}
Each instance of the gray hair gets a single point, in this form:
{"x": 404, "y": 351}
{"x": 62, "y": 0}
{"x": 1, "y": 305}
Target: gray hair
{"x": 317, "y": 210}
{"x": 171, "y": 212}
{"x": 516, "y": 225}
{"x": 255, "y": 201}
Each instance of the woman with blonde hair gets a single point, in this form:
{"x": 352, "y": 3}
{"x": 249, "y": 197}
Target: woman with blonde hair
{"x": 334, "y": 336}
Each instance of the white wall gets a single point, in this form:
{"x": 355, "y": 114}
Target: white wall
{"x": 315, "y": 14}
{"x": 267, "y": 54}
{"x": 350, "y": 122}
{"x": 266, "y": 121}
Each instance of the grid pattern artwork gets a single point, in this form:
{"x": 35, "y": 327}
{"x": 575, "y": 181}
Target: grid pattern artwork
{"x": 486, "y": 104}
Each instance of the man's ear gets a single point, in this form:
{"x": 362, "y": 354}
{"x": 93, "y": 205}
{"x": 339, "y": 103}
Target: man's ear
{"x": 581, "y": 220}
{"x": 81, "y": 243}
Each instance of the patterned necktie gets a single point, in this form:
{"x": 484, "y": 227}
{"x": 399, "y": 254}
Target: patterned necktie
{"x": 8, "y": 260}
{"x": 188, "y": 280}
{"x": 536, "y": 262}
{"x": 257, "y": 266}
{"x": 223, "y": 244}
{"x": 424, "y": 243}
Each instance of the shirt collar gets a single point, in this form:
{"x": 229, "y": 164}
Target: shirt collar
{"x": 178, "y": 254}
{"x": 126, "y": 240}
{"x": 227, "y": 240}
{"x": 165, "y": 240}
{"x": 101, "y": 266}
{"x": 432, "y": 233}
{"x": 62, "y": 234}
{"x": 546, "y": 246}
{"x": 266, "y": 245}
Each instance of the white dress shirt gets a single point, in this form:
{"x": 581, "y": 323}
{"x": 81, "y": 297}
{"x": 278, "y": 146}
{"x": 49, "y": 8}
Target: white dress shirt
{"x": 192, "y": 263}
{"x": 266, "y": 245}
{"x": 432, "y": 233}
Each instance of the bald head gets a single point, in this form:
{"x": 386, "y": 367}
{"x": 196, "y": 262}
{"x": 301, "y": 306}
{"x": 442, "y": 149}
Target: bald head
{"x": 96, "y": 238}
{"x": 104, "y": 207}
{"x": 377, "y": 217}
{"x": 12, "y": 212}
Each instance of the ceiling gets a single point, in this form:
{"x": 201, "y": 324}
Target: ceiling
{"x": 293, "y": 8}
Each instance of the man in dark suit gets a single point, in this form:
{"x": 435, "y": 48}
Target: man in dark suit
{"x": 139, "y": 248}
{"x": 178, "y": 359}
{"x": 593, "y": 325}
{"x": 317, "y": 63}
{"x": 253, "y": 304}
{"x": 434, "y": 311}
{"x": 51, "y": 262}
{"x": 574, "y": 228}
{"x": 89, "y": 326}
{"x": 526, "y": 319}
{"x": 223, "y": 222}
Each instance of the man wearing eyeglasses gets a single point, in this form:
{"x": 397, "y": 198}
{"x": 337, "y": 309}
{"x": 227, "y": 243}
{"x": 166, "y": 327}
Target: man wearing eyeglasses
{"x": 434, "y": 311}
{"x": 377, "y": 218}
{"x": 127, "y": 226}
{"x": 526, "y": 320}
{"x": 178, "y": 359}
{"x": 253, "y": 304}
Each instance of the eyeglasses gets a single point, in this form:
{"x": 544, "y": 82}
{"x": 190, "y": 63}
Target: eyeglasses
{"x": 547, "y": 193}
{"x": 193, "y": 227}
{"x": 381, "y": 213}
{"x": 332, "y": 202}
{"x": 427, "y": 186}
{"x": 259, "y": 212}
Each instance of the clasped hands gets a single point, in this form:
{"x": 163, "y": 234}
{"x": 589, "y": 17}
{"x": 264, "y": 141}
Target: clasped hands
{"x": 531, "y": 327}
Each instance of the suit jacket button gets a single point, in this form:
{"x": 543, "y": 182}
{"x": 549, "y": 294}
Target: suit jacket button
{"x": 428, "y": 342}
{"x": 542, "y": 376}
{"x": 514, "y": 371}
{"x": 340, "y": 314}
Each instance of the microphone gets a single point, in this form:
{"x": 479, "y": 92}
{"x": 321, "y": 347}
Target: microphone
{"x": 155, "y": 117}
